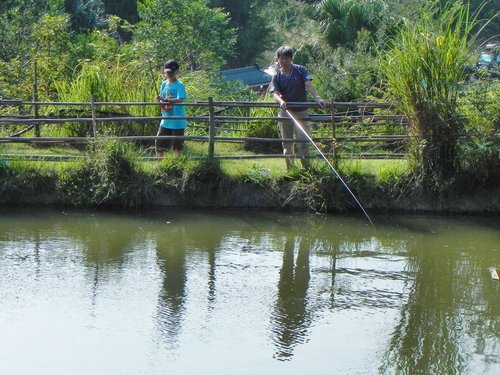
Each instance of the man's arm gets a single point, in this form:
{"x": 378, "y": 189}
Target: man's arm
{"x": 311, "y": 90}
{"x": 279, "y": 99}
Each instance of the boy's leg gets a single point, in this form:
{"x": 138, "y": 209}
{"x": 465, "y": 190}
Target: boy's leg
{"x": 159, "y": 150}
{"x": 162, "y": 144}
{"x": 178, "y": 144}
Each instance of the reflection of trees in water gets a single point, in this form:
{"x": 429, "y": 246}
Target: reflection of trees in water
{"x": 291, "y": 318}
{"x": 171, "y": 259}
{"x": 481, "y": 324}
{"x": 100, "y": 242}
{"x": 104, "y": 249}
{"x": 441, "y": 326}
{"x": 173, "y": 243}
{"x": 427, "y": 338}
{"x": 207, "y": 237}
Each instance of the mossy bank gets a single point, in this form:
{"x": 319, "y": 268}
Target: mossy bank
{"x": 111, "y": 176}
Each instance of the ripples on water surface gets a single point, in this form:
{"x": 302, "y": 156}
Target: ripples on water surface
{"x": 247, "y": 293}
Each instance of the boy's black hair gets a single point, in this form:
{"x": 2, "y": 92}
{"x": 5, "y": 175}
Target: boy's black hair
{"x": 286, "y": 51}
{"x": 171, "y": 65}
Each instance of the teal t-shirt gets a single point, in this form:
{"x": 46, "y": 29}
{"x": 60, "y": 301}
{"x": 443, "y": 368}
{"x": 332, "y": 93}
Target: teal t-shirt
{"x": 175, "y": 90}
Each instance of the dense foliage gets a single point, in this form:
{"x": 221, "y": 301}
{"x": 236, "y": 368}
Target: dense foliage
{"x": 414, "y": 52}
{"x": 336, "y": 38}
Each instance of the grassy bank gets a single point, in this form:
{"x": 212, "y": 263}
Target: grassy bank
{"x": 112, "y": 175}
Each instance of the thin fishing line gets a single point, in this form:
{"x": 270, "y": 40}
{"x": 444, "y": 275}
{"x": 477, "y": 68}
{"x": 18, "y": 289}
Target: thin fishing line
{"x": 297, "y": 123}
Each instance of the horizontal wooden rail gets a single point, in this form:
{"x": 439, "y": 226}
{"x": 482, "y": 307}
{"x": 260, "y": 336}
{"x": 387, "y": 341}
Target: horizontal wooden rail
{"x": 389, "y": 138}
{"x": 12, "y": 121}
{"x": 356, "y": 116}
{"x": 271, "y": 104}
{"x": 144, "y": 138}
{"x": 67, "y": 158}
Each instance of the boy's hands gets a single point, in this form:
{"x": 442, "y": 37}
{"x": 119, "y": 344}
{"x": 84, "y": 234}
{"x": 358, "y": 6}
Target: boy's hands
{"x": 165, "y": 105}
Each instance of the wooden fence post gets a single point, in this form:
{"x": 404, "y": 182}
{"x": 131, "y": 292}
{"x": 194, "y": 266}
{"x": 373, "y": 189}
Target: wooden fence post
{"x": 35, "y": 98}
{"x": 94, "y": 123}
{"x": 334, "y": 133}
{"x": 211, "y": 129}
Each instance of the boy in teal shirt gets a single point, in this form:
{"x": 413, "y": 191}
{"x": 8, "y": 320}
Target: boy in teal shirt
{"x": 172, "y": 92}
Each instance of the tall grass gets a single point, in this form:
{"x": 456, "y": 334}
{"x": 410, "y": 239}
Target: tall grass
{"x": 108, "y": 177}
{"x": 423, "y": 70}
{"x": 116, "y": 81}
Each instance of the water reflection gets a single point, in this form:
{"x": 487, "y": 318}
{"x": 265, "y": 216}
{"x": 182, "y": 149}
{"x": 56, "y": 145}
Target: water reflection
{"x": 173, "y": 242}
{"x": 105, "y": 249}
{"x": 426, "y": 339}
{"x": 418, "y": 291}
{"x": 437, "y": 324}
{"x": 171, "y": 260}
{"x": 291, "y": 317}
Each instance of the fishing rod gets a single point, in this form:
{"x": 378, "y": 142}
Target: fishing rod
{"x": 301, "y": 128}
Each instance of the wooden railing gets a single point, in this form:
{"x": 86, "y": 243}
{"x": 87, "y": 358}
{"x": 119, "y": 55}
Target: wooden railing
{"x": 348, "y": 123}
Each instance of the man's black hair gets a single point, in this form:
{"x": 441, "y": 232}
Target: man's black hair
{"x": 286, "y": 51}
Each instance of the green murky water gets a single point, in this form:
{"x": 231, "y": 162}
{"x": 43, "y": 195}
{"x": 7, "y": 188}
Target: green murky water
{"x": 247, "y": 293}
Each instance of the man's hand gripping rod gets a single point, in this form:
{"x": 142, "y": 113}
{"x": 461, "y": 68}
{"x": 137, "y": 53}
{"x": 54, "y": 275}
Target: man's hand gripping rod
{"x": 299, "y": 125}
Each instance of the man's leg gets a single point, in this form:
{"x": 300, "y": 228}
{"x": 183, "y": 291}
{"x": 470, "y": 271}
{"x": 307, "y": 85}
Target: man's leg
{"x": 303, "y": 147}
{"x": 286, "y": 128}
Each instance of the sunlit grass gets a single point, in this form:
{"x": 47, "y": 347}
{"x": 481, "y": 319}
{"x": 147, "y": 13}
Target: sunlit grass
{"x": 375, "y": 167}
{"x": 272, "y": 167}
{"x": 25, "y": 149}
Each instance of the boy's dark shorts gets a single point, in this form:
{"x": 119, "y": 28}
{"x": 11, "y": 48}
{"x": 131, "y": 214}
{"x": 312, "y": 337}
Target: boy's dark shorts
{"x": 167, "y": 144}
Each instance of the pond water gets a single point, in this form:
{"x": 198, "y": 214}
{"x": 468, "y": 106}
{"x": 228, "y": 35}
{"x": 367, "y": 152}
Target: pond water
{"x": 247, "y": 293}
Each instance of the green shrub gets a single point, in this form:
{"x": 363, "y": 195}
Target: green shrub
{"x": 108, "y": 177}
{"x": 263, "y": 129}
{"x": 204, "y": 179}
{"x": 423, "y": 70}
{"x": 479, "y": 162}
{"x": 318, "y": 187}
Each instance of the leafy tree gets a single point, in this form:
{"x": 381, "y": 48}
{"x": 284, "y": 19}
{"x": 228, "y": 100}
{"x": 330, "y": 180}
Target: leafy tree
{"x": 253, "y": 32}
{"x": 51, "y": 50}
{"x": 122, "y": 13}
{"x": 341, "y": 20}
{"x": 344, "y": 74}
{"x": 16, "y": 21}
{"x": 85, "y": 14}
{"x": 487, "y": 11}
{"x": 125, "y": 9}
{"x": 188, "y": 31}
{"x": 23, "y": 30}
